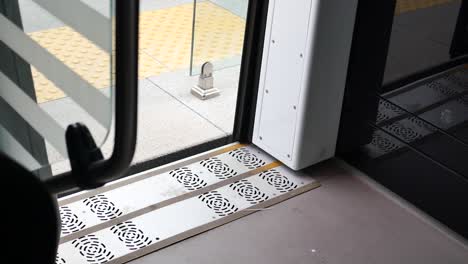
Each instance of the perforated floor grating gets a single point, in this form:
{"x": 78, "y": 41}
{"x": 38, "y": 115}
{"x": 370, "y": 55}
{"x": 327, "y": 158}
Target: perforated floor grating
{"x": 141, "y": 214}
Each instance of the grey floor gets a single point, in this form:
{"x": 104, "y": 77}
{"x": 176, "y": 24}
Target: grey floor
{"x": 349, "y": 219}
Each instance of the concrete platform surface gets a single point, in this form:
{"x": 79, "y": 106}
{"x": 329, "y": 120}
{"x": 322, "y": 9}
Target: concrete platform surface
{"x": 219, "y": 111}
{"x": 165, "y": 125}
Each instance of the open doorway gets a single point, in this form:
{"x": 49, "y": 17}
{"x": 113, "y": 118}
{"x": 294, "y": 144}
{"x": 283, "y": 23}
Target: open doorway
{"x": 176, "y": 39}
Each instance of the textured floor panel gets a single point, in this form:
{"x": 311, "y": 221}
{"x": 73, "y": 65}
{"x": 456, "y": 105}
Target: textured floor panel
{"x": 140, "y": 196}
{"x": 243, "y": 182}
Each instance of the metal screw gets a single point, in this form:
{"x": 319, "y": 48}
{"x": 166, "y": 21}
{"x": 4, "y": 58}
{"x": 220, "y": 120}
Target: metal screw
{"x": 266, "y": 91}
{"x": 289, "y": 156}
{"x": 273, "y": 41}
{"x": 294, "y": 107}
{"x": 301, "y": 55}
{"x": 260, "y": 138}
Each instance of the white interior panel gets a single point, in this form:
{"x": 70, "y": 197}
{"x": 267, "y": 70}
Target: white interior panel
{"x": 285, "y": 68}
{"x": 303, "y": 77}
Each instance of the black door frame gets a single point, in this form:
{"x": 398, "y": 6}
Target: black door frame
{"x": 247, "y": 92}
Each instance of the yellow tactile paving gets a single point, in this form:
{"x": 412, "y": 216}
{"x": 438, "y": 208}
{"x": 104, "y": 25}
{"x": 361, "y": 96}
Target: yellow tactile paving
{"x": 78, "y": 53}
{"x": 218, "y": 34}
{"x": 166, "y": 34}
{"x": 83, "y": 57}
{"x": 411, "y": 5}
{"x": 47, "y": 91}
{"x": 165, "y": 45}
{"x": 148, "y": 66}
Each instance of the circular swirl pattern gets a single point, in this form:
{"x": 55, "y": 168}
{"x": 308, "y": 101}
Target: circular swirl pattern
{"x": 244, "y": 156}
{"x": 422, "y": 124}
{"x": 463, "y": 100}
{"x": 381, "y": 117}
{"x": 190, "y": 180}
{"x": 442, "y": 88}
{"x": 390, "y": 108}
{"x": 383, "y": 144}
{"x": 247, "y": 190}
{"x": 403, "y": 132}
{"x": 220, "y": 205}
{"x": 221, "y": 170}
{"x": 59, "y": 260}
{"x": 133, "y": 237}
{"x": 69, "y": 221}
{"x": 94, "y": 251}
{"x": 103, "y": 208}
{"x": 277, "y": 180}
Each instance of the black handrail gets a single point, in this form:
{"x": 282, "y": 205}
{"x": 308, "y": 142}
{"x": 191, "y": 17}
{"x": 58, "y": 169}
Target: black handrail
{"x": 126, "y": 105}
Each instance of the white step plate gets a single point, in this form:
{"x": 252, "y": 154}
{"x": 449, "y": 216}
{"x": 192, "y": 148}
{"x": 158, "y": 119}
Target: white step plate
{"x": 106, "y": 208}
{"x": 124, "y": 223}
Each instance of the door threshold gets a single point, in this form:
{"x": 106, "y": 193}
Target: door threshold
{"x": 140, "y": 214}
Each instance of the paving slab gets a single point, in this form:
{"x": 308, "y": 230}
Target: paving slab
{"x": 219, "y": 110}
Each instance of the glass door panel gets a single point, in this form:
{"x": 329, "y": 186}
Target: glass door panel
{"x": 56, "y": 70}
{"x": 218, "y": 33}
